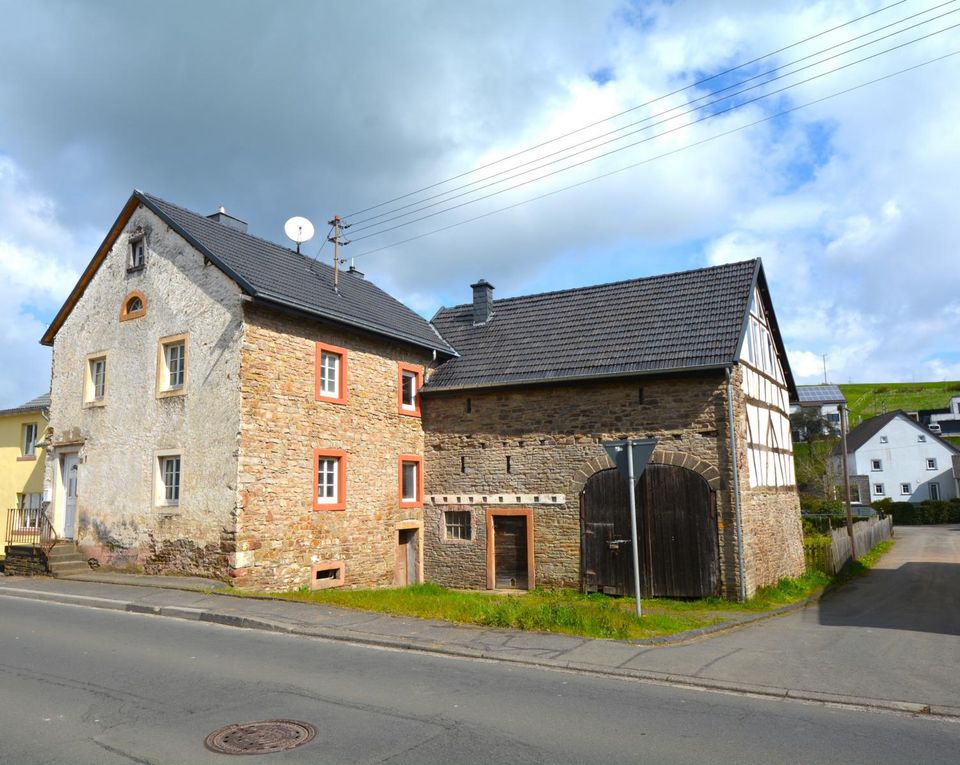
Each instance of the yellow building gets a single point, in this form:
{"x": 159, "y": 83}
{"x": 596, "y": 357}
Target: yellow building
{"x": 22, "y": 463}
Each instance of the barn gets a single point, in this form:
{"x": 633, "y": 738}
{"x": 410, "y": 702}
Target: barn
{"x": 519, "y": 490}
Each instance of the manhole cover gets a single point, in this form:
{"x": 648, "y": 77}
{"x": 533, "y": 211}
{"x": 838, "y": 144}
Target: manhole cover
{"x": 260, "y": 737}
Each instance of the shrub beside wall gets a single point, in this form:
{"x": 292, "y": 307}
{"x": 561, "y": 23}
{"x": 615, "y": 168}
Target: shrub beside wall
{"x": 928, "y": 511}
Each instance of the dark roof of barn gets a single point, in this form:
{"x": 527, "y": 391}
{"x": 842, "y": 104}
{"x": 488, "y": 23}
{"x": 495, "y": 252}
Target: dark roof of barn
{"x": 670, "y": 323}
{"x": 279, "y": 275}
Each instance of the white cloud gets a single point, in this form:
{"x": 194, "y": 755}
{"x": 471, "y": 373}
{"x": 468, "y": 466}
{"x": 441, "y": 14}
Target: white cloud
{"x": 850, "y": 202}
{"x": 38, "y": 267}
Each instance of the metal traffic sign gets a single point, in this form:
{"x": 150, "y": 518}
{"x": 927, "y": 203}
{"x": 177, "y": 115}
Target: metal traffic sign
{"x": 641, "y": 450}
{"x": 631, "y": 457}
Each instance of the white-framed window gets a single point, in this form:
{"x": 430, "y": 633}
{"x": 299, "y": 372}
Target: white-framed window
{"x": 95, "y": 379}
{"x": 170, "y": 469}
{"x": 327, "y": 469}
{"x": 931, "y": 463}
{"x": 876, "y": 465}
{"x": 878, "y": 489}
{"x": 457, "y": 524}
{"x": 28, "y": 446}
{"x": 329, "y": 374}
{"x": 922, "y": 439}
{"x": 905, "y": 488}
{"x": 410, "y": 378}
{"x": 331, "y": 382}
{"x": 169, "y": 475}
{"x": 28, "y": 511}
{"x": 411, "y": 478}
{"x": 138, "y": 253}
{"x": 329, "y": 480}
{"x": 934, "y": 491}
{"x": 408, "y": 391}
{"x": 884, "y": 440}
{"x": 172, "y": 365}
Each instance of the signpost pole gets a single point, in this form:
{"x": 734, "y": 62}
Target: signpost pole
{"x": 633, "y": 525}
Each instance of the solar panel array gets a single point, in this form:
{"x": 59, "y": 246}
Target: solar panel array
{"x": 820, "y": 394}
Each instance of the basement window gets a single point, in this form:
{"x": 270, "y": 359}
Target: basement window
{"x": 326, "y": 574}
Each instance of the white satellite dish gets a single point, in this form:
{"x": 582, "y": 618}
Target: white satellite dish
{"x": 299, "y": 230}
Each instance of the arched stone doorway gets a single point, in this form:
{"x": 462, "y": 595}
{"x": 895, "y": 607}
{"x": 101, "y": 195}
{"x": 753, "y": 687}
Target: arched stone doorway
{"x": 676, "y": 526}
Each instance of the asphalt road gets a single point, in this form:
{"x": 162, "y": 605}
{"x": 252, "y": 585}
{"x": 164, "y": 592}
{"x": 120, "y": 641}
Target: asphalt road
{"x": 892, "y": 634}
{"x": 80, "y": 685}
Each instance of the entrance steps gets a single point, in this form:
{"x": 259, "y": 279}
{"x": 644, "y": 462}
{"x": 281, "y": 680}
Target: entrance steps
{"x": 64, "y": 559}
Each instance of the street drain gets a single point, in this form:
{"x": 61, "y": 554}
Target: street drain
{"x": 261, "y": 737}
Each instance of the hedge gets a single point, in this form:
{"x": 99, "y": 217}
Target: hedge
{"x": 928, "y": 511}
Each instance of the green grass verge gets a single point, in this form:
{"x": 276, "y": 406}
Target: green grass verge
{"x": 867, "y": 399}
{"x": 564, "y": 611}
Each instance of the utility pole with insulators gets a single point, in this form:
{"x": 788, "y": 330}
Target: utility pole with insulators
{"x": 337, "y": 227}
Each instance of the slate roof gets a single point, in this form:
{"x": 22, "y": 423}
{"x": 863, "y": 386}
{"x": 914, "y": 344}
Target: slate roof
{"x": 275, "y": 275}
{"x": 820, "y": 394}
{"x": 33, "y": 405}
{"x": 674, "y": 322}
{"x": 280, "y": 275}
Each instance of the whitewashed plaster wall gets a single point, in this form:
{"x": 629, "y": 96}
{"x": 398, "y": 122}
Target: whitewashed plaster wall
{"x": 118, "y": 517}
{"x": 903, "y": 459}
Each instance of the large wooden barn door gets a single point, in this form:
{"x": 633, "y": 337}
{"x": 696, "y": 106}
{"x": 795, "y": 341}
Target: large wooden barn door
{"x": 677, "y": 528}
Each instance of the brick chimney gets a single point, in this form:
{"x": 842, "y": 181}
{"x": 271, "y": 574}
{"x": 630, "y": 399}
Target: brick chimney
{"x": 482, "y": 301}
{"x": 222, "y": 216}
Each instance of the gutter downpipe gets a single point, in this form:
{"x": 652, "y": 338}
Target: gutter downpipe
{"x": 736, "y": 488}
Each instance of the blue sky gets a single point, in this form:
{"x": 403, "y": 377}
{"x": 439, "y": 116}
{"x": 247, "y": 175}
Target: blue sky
{"x": 257, "y": 107}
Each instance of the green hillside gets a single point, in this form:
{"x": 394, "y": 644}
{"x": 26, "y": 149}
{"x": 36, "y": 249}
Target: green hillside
{"x": 867, "y": 399}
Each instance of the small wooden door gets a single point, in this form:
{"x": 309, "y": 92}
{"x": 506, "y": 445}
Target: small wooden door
{"x": 408, "y": 557}
{"x": 70, "y": 469}
{"x": 676, "y": 529}
{"x": 510, "y": 552}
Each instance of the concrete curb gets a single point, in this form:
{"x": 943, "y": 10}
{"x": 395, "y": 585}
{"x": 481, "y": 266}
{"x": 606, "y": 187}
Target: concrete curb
{"x": 410, "y": 644}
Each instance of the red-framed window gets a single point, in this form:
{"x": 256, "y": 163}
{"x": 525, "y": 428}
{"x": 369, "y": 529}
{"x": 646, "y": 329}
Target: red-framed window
{"x": 409, "y": 382}
{"x": 410, "y": 480}
{"x": 331, "y": 374}
{"x": 329, "y": 479}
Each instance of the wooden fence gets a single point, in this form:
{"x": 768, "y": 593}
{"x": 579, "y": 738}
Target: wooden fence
{"x": 831, "y": 556}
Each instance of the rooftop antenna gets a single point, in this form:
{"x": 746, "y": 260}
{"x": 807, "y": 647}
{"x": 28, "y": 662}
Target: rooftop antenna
{"x": 299, "y": 230}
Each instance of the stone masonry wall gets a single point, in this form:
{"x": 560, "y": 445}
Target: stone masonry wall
{"x": 279, "y": 534}
{"x": 119, "y": 520}
{"x": 553, "y": 436}
{"x": 772, "y": 529}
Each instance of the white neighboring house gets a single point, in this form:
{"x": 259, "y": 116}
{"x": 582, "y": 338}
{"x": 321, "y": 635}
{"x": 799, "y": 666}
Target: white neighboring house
{"x": 899, "y": 459}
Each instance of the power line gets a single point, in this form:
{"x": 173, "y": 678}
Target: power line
{"x": 631, "y": 109}
{"x": 644, "y": 140}
{"x": 660, "y": 156}
{"x": 449, "y": 194}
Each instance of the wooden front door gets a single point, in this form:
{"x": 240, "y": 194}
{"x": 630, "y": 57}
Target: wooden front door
{"x": 510, "y": 570}
{"x": 676, "y": 527}
{"x": 408, "y": 556}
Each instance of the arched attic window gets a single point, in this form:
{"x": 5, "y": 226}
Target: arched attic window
{"x": 134, "y": 306}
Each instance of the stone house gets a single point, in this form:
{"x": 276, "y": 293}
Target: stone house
{"x": 520, "y": 491}
{"x": 225, "y": 406}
